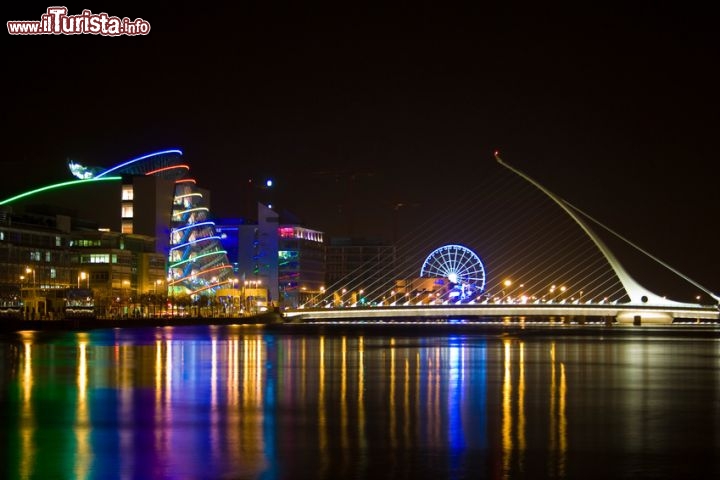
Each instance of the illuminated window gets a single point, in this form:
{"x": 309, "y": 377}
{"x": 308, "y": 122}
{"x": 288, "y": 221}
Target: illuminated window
{"x": 127, "y": 211}
{"x": 127, "y": 226}
{"x": 127, "y": 192}
{"x": 53, "y": 272}
{"x": 98, "y": 258}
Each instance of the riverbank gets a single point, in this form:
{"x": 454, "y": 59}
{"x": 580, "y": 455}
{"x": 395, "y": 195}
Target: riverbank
{"x": 12, "y": 325}
{"x": 275, "y": 322}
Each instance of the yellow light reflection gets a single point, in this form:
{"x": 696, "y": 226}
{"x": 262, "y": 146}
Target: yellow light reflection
{"x": 303, "y": 371}
{"x": 406, "y": 403}
{"x": 159, "y": 431}
{"x": 322, "y": 414}
{"x": 522, "y": 445}
{"x": 258, "y": 350}
{"x": 248, "y": 434}
{"x": 562, "y": 423}
{"x": 234, "y": 427}
{"x": 418, "y": 368}
{"x": 27, "y": 372}
{"x": 82, "y": 424}
{"x": 361, "y": 391}
{"x": 393, "y": 433}
{"x": 343, "y": 398}
{"x": 507, "y": 441}
{"x": 558, "y": 419}
{"x": 553, "y": 424}
{"x": 27, "y": 421}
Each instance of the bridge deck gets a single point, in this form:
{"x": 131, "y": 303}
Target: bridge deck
{"x": 501, "y": 310}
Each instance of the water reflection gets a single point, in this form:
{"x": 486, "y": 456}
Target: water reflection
{"x": 237, "y": 402}
{"x": 82, "y": 422}
{"x": 27, "y": 421}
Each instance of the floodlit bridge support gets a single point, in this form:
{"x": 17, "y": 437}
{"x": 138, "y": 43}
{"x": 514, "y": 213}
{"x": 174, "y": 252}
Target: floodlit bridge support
{"x": 638, "y": 294}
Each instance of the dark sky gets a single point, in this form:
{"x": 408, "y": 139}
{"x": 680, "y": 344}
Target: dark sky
{"x": 353, "y": 110}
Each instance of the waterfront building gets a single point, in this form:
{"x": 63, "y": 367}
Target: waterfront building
{"x": 148, "y": 200}
{"x": 43, "y": 255}
{"x": 277, "y": 264}
{"x": 301, "y": 265}
{"x": 347, "y": 257}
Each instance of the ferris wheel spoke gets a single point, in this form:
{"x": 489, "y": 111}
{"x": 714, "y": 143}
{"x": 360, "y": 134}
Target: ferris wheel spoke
{"x": 457, "y": 262}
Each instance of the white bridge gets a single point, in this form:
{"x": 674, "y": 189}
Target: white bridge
{"x": 643, "y": 307}
{"x": 623, "y": 313}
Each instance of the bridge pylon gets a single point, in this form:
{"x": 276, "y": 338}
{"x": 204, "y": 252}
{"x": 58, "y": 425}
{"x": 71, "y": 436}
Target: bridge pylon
{"x": 638, "y": 294}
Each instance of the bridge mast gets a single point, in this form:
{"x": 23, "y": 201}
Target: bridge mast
{"x": 637, "y": 293}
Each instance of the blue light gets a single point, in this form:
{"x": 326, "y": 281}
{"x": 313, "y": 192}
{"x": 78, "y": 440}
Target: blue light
{"x": 269, "y": 183}
{"x": 179, "y": 152}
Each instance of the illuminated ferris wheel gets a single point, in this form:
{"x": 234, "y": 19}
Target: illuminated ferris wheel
{"x": 459, "y": 265}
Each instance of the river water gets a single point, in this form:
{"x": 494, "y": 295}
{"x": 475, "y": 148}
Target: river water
{"x": 244, "y": 402}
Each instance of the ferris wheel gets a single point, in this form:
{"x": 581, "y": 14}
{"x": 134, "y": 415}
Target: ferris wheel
{"x": 458, "y": 264}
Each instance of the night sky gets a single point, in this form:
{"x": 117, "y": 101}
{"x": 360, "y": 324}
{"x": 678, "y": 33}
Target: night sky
{"x": 355, "y": 110}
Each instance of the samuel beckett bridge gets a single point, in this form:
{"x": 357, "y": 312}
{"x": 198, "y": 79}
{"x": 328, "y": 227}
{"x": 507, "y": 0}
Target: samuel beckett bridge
{"x": 504, "y": 250}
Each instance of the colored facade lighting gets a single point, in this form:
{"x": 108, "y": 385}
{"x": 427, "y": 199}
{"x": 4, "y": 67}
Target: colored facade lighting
{"x": 192, "y": 242}
{"x": 187, "y": 195}
{"x": 219, "y": 252}
{"x": 190, "y": 210}
{"x": 139, "y": 159}
{"x": 165, "y": 169}
{"x": 197, "y": 263}
{"x": 71, "y": 183}
{"x": 204, "y": 272}
{"x": 187, "y": 227}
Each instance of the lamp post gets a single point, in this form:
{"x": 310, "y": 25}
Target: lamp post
{"x": 126, "y": 295}
{"x": 156, "y": 286}
{"x": 244, "y": 298}
{"x": 29, "y": 270}
{"x": 235, "y": 297}
{"x": 506, "y": 284}
{"x": 316, "y": 298}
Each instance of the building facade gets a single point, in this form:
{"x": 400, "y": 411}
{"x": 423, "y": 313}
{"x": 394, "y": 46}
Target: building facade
{"x": 301, "y": 265}
{"x": 154, "y": 196}
{"x": 43, "y": 256}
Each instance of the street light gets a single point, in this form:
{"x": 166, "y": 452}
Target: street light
{"x": 29, "y": 270}
{"x": 506, "y": 284}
